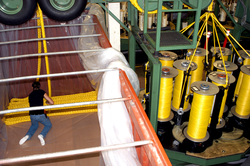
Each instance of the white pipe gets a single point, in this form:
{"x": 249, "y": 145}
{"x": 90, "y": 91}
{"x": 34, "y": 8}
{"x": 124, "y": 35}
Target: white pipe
{"x": 150, "y": 21}
{"x": 45, "y": 26}
{"x": 63, "y": 105}
{"x": 141, "y": 21}
{"x": 122, "y": 14}
{"x": 73, "y": 152}
{"x": 49, "y": 53}
{"x": 164, "y": 21}
{"x": 48, "y": 38}
{"x": 54, "y": 75}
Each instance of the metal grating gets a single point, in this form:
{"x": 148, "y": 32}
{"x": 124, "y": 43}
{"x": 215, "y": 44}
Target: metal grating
{"x": 169, "y": 38}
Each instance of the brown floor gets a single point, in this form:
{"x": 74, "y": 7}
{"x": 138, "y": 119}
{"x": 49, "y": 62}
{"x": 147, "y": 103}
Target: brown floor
{"x": 69, "y": 132}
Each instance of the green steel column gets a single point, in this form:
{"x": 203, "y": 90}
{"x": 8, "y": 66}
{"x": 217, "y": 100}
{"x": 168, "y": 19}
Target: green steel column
{"x": 155, "y": 69}
{"x": 145, "y": 24}
{"x": 131, "y": 50}
{"x": 129, "y": 11}
{"x": 158, "y": 27}
{"x": 178, "y": 26}
{"x": 154, "y": 93}
{"x": 196, "y": 25}
{"x": 131, "y": 38}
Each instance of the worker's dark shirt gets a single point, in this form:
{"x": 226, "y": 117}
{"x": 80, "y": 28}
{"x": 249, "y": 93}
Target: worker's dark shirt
{"x": 36, "y": 99}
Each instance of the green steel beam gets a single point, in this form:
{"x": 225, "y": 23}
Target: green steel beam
{"x": 111, "y": 14}
{"x": 155, "y": 70}
{"x": 179, "y": 10}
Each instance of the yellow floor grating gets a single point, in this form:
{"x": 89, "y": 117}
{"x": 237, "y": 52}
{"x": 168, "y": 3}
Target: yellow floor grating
{"x": 15, "y": 103}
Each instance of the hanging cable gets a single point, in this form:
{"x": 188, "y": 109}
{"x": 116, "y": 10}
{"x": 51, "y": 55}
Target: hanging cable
{"x": 39, "y": 35}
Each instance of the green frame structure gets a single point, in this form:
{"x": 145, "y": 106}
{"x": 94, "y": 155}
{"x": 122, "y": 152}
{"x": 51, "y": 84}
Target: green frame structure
{"x": 151, "y": 47}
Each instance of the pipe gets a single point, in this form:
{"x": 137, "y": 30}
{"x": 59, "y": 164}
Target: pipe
{"x": 47, "y": 38}
{"x": 63, "y": 105}
{"x": 54, "y": 75}
{"x": 46, "y": 26}
{"x": 74, "y": 152}
{"x": 50, "y": 53}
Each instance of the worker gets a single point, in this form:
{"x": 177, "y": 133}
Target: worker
{"x": 36, "y": 99}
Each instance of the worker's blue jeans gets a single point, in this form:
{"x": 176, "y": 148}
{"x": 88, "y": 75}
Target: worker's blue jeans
{"x": 34, "y": 125}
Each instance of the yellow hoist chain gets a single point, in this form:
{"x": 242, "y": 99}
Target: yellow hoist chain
{"x": 45, "y": 48}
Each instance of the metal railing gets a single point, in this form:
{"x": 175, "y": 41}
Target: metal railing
{"x": 73, "y": 152}
{"x": 49, "y": 53}
{"x": 47, "y": 38}
{"x": 63, "y": 105}
{"x": 45, "y": 26}
{"x": 54, "y": 75}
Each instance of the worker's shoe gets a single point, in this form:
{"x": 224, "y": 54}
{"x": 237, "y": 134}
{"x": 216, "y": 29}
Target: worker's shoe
{"x": 40, "y": 136}
{"x": 24, "y": 139}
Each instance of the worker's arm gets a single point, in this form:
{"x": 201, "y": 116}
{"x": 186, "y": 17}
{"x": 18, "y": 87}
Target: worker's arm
{"x": 49, "y": 100}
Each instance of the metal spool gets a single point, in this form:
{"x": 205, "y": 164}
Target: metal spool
{"x": 225, "y": 51}
{"x": 199, "y": 52}
{"x": 220, "y": 77}
{"x": 168, "y": 55}
{"x": 243, "y": 54}
{"x": 245, "y": 69}
{"x": 204, "y": 88}
{"x": 169, "y": 72}
{"x": 238, "y": 115}
{"x": 222, "y": 124}
{"x": 230, "y": 66}
{"x": 193, "y": 139}
{"x": 171, "y": 116}
{"x": 183, "y": 65}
